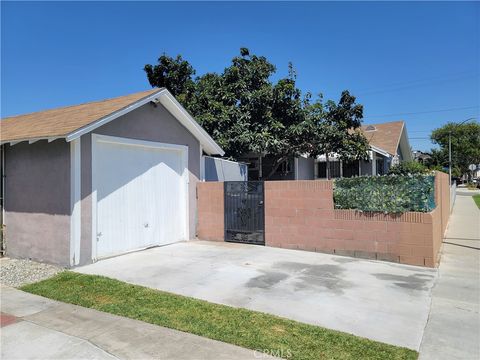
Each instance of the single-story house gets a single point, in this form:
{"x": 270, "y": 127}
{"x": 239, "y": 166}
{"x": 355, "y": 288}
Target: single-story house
{"x": 388, "y": 145}
{"x": 103, "y": 178}
{"x": 420, "y": 156}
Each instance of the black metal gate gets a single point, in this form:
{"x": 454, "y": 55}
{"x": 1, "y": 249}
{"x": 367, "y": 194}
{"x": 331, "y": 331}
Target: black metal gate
{"x": 244, "y": 212}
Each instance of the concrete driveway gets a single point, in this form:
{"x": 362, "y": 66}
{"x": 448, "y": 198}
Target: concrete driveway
{"x": 378, "y": 300}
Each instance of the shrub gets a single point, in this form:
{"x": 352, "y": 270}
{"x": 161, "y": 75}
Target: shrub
{"x": 408, "y": 167}
{"x": 391, "y": 193}
{"x": 471, "y": 186}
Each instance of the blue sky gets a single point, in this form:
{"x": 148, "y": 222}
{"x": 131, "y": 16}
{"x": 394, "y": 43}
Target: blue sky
{"x": 408, "y": 60}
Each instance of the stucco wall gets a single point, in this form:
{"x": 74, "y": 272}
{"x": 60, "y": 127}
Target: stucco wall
{"x": 37, "y": 201}
{"x": 145, "y": 123}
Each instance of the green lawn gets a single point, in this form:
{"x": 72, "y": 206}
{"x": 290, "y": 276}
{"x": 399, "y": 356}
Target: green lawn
{"x": 476, "y": 198}
{"x": 249, "y": 329}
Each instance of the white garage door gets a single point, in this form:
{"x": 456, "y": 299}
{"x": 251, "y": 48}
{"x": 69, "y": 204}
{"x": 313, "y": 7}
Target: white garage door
{"x": 141, "y": 194}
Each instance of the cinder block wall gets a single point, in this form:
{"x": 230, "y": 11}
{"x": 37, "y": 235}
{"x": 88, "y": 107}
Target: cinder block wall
{"x": 210, "y": 211}
{"x": 301, "y": 215}
{"x": 441, "y": 212}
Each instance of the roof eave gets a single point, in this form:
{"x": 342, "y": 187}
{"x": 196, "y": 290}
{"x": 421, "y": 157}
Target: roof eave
{"x": 176, "y": 109}
{"x": 12, "y": 142}
{"x": 173, "y": 106}
{"x": 380, "y": 151}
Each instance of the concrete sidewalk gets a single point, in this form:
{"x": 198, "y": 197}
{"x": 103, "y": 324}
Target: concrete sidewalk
{"x": 453, "y": 327}
{"x": 39, "y": 328}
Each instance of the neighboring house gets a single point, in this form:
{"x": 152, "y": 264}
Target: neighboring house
{"x": 103, "y": 178}
{"x": 388, "y": 145}
{"x": 420, "y": 156}
{"x": 301, "y": 168}
{"x": 475, "y": 172}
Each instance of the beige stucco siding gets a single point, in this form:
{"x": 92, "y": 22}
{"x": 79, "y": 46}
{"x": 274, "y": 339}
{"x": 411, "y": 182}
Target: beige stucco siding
{"x": 37, "y": 201}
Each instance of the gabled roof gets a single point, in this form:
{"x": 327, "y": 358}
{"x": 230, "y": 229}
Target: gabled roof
{"x": 385, "y": 136}
{"x": 73, "y": 121}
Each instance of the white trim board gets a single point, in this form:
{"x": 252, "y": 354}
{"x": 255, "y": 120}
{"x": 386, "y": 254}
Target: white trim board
{"x": 380, "y": 151}
{"x": 75, "y": 202}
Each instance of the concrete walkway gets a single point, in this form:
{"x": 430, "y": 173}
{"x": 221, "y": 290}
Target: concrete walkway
{"x": 34, "y": 327}
{"x": 453, "y": 328}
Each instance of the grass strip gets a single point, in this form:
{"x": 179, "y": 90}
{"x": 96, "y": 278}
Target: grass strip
{"x": 476, "y": 198}
{"x": 249, "y": 329}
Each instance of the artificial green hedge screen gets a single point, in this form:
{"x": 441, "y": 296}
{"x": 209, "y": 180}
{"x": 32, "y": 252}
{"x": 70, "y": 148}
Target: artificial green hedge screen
{"x": 389, "y": 194}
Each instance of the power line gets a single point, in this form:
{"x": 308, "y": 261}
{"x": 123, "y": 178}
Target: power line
{"x": 427, "y": 112}
{"x": 409, "y": 87}
{"x": 417, "y": 83}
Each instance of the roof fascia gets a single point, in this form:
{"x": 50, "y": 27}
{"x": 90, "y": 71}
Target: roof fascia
{"x": 381, "y": 151}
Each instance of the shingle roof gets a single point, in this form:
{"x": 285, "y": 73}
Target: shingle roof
{"x": 62, "y": 121}
{"x": 386, "y": 136}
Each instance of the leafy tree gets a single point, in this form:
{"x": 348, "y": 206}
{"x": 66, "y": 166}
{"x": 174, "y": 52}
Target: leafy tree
{"x": 175, "y": 74}
{"x": 246, "y": 112}
{"x": 465, "y": 140}
{"x": 439, "y": 161}
{"x": 335, "y": 129}
{"x": 408, "y": 168}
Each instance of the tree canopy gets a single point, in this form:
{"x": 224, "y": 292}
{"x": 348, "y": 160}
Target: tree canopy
{"x": 465, "y": 139}
{"x": 245, "y": 111}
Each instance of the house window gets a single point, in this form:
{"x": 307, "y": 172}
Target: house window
{"x": 253, "y": 168}
{"x": 350, "y": 169}
{"x": 334, "y": 169}
{"x": 380, "y": 166}
{"x": 322, "y": 170}
{"x": 285, "y": 167}
{"x": 253, "y": 163}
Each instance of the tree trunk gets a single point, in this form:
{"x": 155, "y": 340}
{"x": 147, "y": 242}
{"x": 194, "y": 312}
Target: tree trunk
{"x": 260, "y": 168}
{"x": 327, "y": 167}
{"x": 276, "y": 164}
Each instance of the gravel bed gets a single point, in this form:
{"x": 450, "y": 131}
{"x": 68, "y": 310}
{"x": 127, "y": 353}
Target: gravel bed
{"x": 18, "y": 272}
